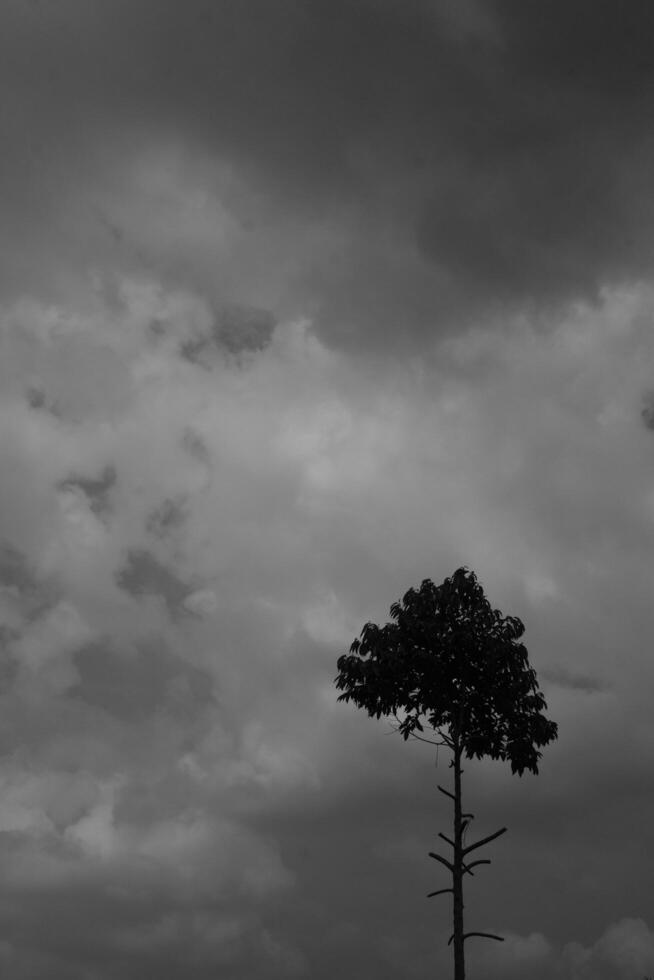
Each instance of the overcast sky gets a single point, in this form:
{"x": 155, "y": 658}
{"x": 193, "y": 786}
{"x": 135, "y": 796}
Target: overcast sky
{"x": 302, "y": 302}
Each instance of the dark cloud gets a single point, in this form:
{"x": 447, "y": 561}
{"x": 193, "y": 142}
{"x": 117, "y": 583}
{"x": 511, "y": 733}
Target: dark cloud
{"x": 180, "y": 792}
{"x": 135, "y": 683}
{"x": 196, "y": 447}
{"x": 166, "y": 518}
{"x": 647, "y": 411}
{"x": 15, "y": 571}
{"x": 573, "y": 680}
{"x": 235, "y": 329}
{"x": 440, "y": 160}
{"x": 142, "y": 574}
{"x": 21, "y": 584}
{"x": 239, "y": 328}
{"x": 36, "y": 399}
{"x": 95, "y": 489}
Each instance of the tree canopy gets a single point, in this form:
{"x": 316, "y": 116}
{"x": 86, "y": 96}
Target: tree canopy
{"x": 449, "y": 660}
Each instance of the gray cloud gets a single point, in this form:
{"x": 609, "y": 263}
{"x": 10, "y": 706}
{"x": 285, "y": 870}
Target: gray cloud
{"x": 572, "y": 680}
{"x": 95, "y": 489}
{"x": 437, "y": 163}
{"x": 15, "y": 572}
{"x": 235, "y": 329}
{"x": 133, "y": 684}
{"x": 179, "y": 782}
{"x": 143, "y": 574}
{"x": 218, "y": 221}
{"x": 647, "y": 411}
{"x": 166, "y": 518}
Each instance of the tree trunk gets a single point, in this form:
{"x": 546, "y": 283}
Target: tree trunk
{"x": 457, "y": 874}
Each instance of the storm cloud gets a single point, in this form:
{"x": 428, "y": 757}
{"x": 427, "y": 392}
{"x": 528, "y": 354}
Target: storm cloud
{"x": 301, "y": 303}
{"x": 390, "y": 168}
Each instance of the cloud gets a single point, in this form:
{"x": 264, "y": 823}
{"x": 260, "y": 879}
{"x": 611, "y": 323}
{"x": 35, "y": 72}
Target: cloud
{"x": 132, "y": 683}
{"x": 463, "y": 159}
{"x": 624, "y": 950}
{"x": 235, "y": 329}
{"x": 516, "y": 956}
{"x": 299, "y": 305}
{"x": 576, "y": 682}
{"x": 144, "y": 575}
{"x": 183, "y": 566}
{"x": 95, "y": 490}
{"x": 647, "y": 412}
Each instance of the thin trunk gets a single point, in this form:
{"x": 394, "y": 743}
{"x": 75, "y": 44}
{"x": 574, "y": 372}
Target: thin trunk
{"x": 457, "y": 873}
{"x": 459, "y": 863}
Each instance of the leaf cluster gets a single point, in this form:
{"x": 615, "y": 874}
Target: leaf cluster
{"x": 449, "y": 660}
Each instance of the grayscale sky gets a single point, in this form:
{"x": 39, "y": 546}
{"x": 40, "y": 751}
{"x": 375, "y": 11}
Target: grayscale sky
{"x": 302, "y": 302}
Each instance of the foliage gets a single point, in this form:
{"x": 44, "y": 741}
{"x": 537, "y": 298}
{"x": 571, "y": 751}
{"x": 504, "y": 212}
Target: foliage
{"x": 448, "y": 659}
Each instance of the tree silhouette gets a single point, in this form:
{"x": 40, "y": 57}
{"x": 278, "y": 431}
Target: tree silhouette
{"x": 449, "y": 661}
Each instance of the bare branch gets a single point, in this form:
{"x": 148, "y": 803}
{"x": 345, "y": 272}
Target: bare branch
{"x": 451, "y": 842}
{"x": 440, "y": 891}
{"x": 429, "y": 741}
{"x": 467, "y": 870}
{"x": 437, "y": 857}
{"x": 473, "y": 864}
{"x": 485, "y": 840}
{"x": 471, "y": 816}
{"x": 486, "y": 935}
{"x": 447, "y": 792}
{"x": 421, "y": 738}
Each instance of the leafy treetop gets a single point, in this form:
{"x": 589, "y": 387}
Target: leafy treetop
{"x": 450, "y": 659}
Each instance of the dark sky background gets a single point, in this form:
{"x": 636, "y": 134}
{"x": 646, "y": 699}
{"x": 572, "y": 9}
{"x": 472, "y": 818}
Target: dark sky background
{"x": 301, "y": 303}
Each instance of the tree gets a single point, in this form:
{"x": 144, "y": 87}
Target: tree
{"x": 449, "y": 661}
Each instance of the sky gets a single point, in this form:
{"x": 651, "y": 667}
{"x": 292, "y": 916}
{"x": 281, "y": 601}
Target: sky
{"x": 301, "y": 303}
